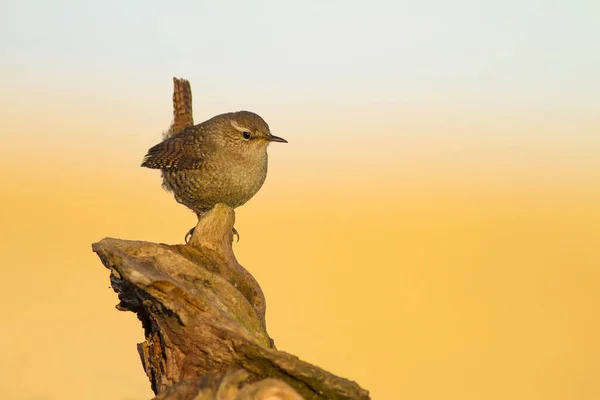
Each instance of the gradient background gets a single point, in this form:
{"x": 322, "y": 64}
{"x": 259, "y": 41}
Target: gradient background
{"x": 432, "y": 230}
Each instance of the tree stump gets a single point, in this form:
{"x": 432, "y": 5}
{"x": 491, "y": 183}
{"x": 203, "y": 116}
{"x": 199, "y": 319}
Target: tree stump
{"x": 203, "y": 316}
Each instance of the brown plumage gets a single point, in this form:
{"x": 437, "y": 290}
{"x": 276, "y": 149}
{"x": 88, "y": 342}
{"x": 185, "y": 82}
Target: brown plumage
{"x": 186, "y": 150}
{"x": 222, "y": 160}
{"x": 182, "y": 107}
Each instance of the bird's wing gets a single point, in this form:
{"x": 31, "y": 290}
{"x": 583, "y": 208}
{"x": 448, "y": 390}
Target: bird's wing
{"x": 178, "y": 152}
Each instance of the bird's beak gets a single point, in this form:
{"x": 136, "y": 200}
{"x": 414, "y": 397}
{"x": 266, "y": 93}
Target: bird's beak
{"x": 272, "y": 138}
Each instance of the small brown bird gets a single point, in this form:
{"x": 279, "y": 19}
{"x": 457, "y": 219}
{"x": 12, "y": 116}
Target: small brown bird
{"x": 222, "y": 160}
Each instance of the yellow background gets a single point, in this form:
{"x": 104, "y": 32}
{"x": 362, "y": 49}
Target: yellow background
{"x": 429, "y": 243}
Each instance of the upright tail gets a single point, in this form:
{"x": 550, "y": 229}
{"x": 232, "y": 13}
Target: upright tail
{"x": 182, "y": 107}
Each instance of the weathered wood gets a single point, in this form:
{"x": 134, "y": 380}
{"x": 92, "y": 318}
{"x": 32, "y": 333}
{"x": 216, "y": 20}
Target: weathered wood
{"x": 226, "y": 386}
{"x": 203, "y": 313}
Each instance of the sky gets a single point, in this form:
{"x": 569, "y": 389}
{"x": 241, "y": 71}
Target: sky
{"x": 430, "y": 229}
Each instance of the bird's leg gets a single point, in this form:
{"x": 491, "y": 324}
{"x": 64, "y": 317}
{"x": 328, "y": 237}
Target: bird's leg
{"x": 188, "y": 236}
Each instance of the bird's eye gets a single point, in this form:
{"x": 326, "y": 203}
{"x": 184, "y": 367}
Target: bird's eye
{"x": 246, "y": 135}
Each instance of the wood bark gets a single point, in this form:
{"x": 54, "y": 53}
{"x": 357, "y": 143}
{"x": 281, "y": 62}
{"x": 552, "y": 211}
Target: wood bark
{"x": 203, "y": 314}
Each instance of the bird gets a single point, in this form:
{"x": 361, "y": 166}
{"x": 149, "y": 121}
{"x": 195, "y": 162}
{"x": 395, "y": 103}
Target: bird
{"x": 221, "y": 160}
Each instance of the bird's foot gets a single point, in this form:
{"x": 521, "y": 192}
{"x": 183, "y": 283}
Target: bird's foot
{"x": 188, "y": 235}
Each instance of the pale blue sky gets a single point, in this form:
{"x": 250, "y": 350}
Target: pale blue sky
{"x": 506, "y": 83}
{"x": 363, "y": 52}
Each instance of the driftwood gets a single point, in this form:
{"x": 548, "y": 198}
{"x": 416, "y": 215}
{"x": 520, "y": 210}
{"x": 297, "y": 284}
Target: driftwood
{"x": 203, "y": 316}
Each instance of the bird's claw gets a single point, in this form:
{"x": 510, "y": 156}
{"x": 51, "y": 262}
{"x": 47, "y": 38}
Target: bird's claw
{"x": 188, "y": 235}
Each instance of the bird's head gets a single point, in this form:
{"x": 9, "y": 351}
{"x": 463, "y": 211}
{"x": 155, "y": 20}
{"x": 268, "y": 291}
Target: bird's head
{"x": 247, "y": 130}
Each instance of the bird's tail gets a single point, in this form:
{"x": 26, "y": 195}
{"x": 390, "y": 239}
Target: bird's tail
{"x": 182, "y": 107}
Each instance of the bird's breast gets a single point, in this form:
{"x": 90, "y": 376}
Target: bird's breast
{"x": 246, "y": 176}
{"x": 229, "y": 180}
